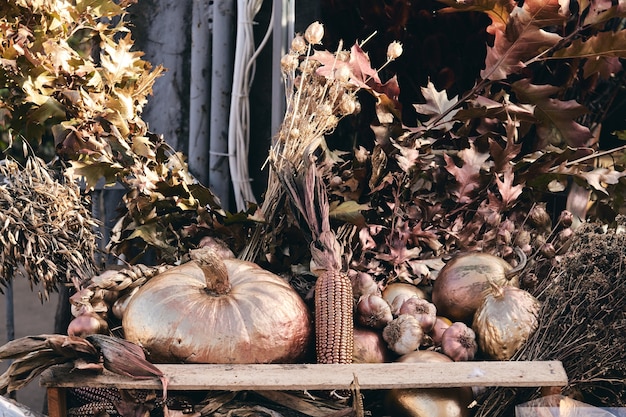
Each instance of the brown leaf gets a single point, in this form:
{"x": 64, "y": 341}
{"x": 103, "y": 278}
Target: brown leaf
{"x": 468, "y": 175}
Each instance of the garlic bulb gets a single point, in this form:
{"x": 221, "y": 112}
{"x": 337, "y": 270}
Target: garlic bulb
{"x": 373, "y": 311}
{"x": 403, "y": 334}
{"x": 505, "y": 320}
{"x": 423, "y": 310}
{"x": 459, "y": 342}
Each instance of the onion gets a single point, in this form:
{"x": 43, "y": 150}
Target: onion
{"x": 397, "y": 292}
{"x": 505, "y": 320}
{"x": 373, "y": 311}
{"x": 369, "y": 347}
{"x": 120, "y": 305}
{"x": 403, "y": 334}
{"x": 441, "y": 324}
{"x": 428, "y": 402}
{"x": 459, "y": 288}
{"x": 86, "y": 324}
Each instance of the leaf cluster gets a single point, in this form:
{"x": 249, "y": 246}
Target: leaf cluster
{"x": 468, "y": 174}
{"x": 72, "y": 88}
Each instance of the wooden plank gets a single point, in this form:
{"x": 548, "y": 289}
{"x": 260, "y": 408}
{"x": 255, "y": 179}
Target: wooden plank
{"x": 322, "y": 376}
{"x": 57, "y": 406}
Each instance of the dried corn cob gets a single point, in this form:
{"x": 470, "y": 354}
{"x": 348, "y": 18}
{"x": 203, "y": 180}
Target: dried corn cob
{"x": 334, "y": 328}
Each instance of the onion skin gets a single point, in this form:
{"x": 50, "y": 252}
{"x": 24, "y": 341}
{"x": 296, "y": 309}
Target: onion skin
{"x": 428, "y": 402}
{"x": 459, "y": 289}
{"x": 244, "y": 315}
{"x": 369, "y": 347}
{"x": 505, "y": 320}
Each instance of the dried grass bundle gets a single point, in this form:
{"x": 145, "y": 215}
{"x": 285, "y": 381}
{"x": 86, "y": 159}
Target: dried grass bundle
{"x": 582, "y": 323}
{"x": 321, "y": 88}
{"x": 45, "y": 227}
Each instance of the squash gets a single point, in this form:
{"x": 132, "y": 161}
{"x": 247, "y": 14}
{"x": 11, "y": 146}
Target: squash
{"x": 460, "y": 286}
{"x": 428, "y": 402}
{"x": 213, "y": 310}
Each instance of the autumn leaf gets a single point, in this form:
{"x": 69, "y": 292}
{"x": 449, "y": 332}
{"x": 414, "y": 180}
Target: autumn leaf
{"x": 599, "y": 178}
{"x": 597, "y": 12}
{"x": 497, "y": 10}
{"x": 468, "y": 175}
{"x": 604, "y": 44}
{"x": 508, "y": 192}
{"x": 93, "y": 172}
{"x": 348, "y": 212}
{"x": 521, "y": 40}
{"x": 556, "y": 118}
{"x": 438, "y": 106}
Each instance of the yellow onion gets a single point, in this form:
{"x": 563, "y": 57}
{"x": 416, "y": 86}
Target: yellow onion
{"x": 369, "y": 347}
{"x": 505, "y": 320}
{"x": 218, "y": 311}
{"x": 397, "y": 293}
{"x": 441, "y": 324}
{"x": 86, "y": 324}
{"x": 428, "y": 402}
{"x": 459, "y": 288}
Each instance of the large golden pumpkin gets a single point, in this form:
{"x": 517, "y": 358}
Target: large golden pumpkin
{"x": 218, "y": 311}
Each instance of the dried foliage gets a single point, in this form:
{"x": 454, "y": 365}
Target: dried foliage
{"x": 47, "y": 230}
{"x": 582, "y": 323}
{"x": 69, "y": 75}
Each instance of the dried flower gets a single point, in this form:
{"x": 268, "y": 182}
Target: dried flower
{"x": 314, "y": 33}
{"x": 347, "y": 105}
{"x": 342, "y": 73}
{"x": 298, "y": 45}
{"x": 394, "y": 50}
{"x": 289, "y": 63}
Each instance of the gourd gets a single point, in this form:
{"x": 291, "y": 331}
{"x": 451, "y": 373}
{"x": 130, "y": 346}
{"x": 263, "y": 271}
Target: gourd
{"x": 428, "y": 402}
{"x": 460, "y": 286}
{"x": 505, "y": 320}
{"x": 213, "y": 310}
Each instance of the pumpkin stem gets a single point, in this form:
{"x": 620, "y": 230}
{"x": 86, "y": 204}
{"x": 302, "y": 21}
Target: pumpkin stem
{"x": 214, "y": 269}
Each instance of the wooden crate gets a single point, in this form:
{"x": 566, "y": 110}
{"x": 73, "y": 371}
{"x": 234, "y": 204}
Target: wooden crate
{"x": 283, "y": 377}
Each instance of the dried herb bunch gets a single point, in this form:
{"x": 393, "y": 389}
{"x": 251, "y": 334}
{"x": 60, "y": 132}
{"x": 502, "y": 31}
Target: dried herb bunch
{"x": 46, "y": 227}
{"x": 582, "y": 322}
{"x": 321, "y": 89}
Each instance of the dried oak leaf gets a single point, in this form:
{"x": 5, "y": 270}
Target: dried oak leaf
{"x": 556, "y": 118}
{"x": 508, "y": 191}
{"x": 468, "y": 175}
{"x": 521, "y": 40}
